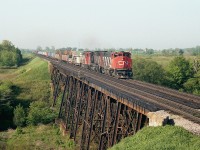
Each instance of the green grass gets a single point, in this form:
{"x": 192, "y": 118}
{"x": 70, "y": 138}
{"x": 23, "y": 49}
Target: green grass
{"x": 35, "y": 70}
{"x": 31, "y": 80}
{"x": 160, "y": 138}
{"x": 42, "y": 137}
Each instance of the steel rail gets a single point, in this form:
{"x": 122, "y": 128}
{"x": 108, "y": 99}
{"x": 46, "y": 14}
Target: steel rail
{"x": 186, "y": 96}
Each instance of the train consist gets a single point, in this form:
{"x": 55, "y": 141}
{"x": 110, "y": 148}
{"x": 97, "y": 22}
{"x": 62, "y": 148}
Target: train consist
{"x": 117, "y": 64}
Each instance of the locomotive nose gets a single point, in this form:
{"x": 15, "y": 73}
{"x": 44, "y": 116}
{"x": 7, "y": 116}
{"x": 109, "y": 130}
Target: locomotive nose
{"x": 122, "y": 64}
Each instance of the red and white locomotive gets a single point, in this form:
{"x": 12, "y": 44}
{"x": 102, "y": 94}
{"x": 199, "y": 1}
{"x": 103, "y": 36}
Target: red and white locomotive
{"x": 117, "y": 64}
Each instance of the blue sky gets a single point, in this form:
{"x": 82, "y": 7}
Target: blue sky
{"x": 154, "y": 24}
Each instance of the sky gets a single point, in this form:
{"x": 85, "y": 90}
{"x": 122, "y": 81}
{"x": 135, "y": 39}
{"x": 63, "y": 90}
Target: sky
{"x": 157, "y": 24}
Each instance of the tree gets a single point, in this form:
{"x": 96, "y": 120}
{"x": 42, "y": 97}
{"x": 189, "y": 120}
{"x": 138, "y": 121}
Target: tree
{"x": 149, "y": 71}
{"x": 149, "y": 51}
{"x": 74, "y": 48}
{"x": 181, "y": 52}
{"x": 47, "y": 48}
{"x": 40, "y": 112}
{"x": 179, "y": 71}
{"x": 53, "y": 48}
{"x": 39, "y": 48}
{"x": 9, "y": 55}
{"x": 193, "y": 84}
{"x": 19, "y": 116}
{"x": 7, "y": 45}
{"x": 196, "y": 65}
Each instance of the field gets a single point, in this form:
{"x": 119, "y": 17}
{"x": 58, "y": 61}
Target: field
{"x": 162, "y": 60}
{"x": 41, "y": 137}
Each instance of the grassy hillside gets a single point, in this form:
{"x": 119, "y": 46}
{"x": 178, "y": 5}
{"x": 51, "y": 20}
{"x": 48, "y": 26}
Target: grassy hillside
{"x": 42, "y": 137}
{"x": 160, "y": 138}
{"x": 33, "y": 80}
{"x": 30, "y": 82}
{"x": 36, "y": 69}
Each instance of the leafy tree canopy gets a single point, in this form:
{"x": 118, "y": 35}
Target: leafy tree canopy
{"x": 193, "y": 84}
{"x": 9, "y": 54}
{"x": 179, "y": 71}
{"x": 148, "y": 71}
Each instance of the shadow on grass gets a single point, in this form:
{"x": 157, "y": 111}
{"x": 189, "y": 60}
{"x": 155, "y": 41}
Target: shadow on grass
{"x": 26, "y": 60}
{"x": 16, "y": 91}
{"x": 7, "y": 108}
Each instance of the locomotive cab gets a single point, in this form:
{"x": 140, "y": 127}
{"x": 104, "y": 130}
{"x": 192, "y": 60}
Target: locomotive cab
{"x": 122, "y": 64}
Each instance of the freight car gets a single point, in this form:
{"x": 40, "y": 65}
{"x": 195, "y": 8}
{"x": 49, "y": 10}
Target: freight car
{"x": 76, "y": 60}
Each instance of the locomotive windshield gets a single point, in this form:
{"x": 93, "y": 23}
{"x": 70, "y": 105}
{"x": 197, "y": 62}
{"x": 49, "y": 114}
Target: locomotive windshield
{"x": 122, "y": 54}
{"x": 115, "y": 55}
{"x": 127, "y": 55}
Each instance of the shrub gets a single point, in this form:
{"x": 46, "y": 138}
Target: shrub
{"x": 19, "y": 116}
{"x": 19, "y": 131}
{"x": 40, "y": 112}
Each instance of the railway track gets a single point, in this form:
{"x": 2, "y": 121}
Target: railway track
{"x": 188, "y": 98}
{"x": 179, "y": 103}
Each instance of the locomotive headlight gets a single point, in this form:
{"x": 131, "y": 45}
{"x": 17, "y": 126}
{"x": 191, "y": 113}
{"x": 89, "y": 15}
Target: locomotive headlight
{"x": 121, "y": 62}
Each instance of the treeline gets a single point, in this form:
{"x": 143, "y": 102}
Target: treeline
{"x": 9, "y": 54}
{"x": 181, "y": 74}
{"x": 194, "y": 51}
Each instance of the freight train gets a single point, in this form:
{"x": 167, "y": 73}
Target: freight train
{"x": 117, "y": 64}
